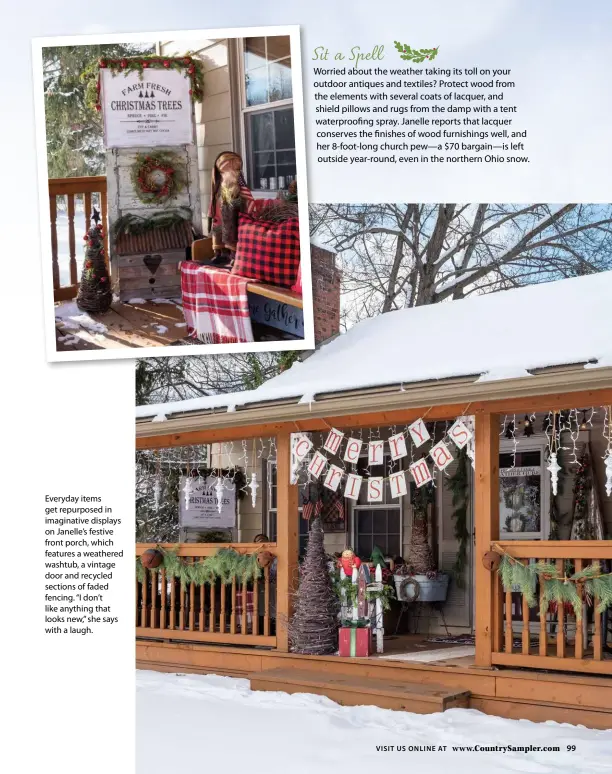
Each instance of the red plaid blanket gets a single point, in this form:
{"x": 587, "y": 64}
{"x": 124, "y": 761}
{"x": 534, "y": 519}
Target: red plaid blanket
{"x": 215, "y": 304}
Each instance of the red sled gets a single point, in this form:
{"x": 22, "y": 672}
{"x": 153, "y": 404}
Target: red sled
{"x": 355, "y": 643}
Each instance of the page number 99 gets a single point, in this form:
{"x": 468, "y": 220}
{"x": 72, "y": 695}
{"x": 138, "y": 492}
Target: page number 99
{"x": 571, "y": 748}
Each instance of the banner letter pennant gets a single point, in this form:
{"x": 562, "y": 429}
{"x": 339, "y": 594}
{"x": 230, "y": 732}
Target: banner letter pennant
{"x": 397, "y": 482}
{"x": 375, "y": 489}
{"x": 418, "y": 433}
{"x": 353, "y": 448}
{"x": 441, "y": 455}
{"x": 333, "y": 478}
{"x": 420, "y": 472}
{"x": 353, "y": 485}
{"x": 460, "y": 434}
{"x": 397, "y": 446}
{"x": 333, "y": 441}
{"x": 301, "y": 446}
{"x": 376, "y": 452}
{"x": 317, "y": 464}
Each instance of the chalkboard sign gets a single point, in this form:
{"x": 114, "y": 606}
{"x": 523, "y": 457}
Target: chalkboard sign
{"x": 276, "y": 314}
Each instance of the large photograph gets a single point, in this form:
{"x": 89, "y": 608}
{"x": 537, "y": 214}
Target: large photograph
{"x": 170, "y": 169}
{"x": 425, "y": 498}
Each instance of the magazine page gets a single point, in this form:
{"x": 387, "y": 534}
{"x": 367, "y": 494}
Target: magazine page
{"x": 308, "y": 439}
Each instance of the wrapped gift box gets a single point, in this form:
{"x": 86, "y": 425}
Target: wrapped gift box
{"x": 355, "y": 642}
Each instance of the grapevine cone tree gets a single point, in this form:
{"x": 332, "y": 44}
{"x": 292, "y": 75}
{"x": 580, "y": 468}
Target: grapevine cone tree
{"x": 95, "y": 293}
{"x": 313, "y": 629}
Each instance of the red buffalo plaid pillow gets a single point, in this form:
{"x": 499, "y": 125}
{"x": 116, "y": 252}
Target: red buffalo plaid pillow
{"x": 268, "y": 252}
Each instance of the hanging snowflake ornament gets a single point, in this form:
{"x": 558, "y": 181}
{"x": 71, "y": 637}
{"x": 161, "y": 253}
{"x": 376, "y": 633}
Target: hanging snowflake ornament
{"x": 553, "y": 468}
{"x": 253, "y": 486}
{"x": 608, "y": 461}
{"x": 219, "y": 493}
{"x": 187, "y": 489}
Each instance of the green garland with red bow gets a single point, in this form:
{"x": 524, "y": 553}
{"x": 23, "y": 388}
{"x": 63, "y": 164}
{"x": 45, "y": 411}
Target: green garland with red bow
{"x": 188, "y": 64}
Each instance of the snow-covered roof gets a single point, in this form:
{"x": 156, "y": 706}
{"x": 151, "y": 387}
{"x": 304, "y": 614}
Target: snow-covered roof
{"x": 501, "y": 335}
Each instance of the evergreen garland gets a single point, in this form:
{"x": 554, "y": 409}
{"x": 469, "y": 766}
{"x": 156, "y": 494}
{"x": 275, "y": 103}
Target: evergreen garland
{"x": 345, "y": 589}
{"x": 225, "y": 566}
{"x": 459, "y": 486}
{"x": 131, "y": 223}
{"x": 192, "y": 67}
{"x": 559, "y": 589}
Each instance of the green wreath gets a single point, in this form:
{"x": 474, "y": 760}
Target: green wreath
{"x": 157, "y": 177}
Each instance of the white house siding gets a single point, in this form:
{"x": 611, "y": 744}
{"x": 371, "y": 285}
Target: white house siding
{"x": 214, "y": 114}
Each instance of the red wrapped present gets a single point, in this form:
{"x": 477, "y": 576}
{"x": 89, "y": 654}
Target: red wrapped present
{"x": 355, "y": 642}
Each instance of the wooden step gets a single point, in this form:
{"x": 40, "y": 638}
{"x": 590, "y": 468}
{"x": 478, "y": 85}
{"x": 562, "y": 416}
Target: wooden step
{"x": 349, "y": 690}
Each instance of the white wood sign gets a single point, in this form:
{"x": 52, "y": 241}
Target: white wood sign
{"x": 203, "y": 511}
{"x": 147, "y": 113}
{"x": 532, "y": 470}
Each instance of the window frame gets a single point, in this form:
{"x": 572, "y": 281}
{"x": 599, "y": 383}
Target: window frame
{"x": 397, "y": 503}
{"x": 245, "y": 110}
{"x": 269, "y": 464}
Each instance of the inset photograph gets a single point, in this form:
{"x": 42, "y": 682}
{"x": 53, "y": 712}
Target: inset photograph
{"x": 173, "y": 193}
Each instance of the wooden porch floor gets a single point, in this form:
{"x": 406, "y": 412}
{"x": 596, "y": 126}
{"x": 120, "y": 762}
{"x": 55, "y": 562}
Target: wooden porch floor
{"x": 124, "y": 326}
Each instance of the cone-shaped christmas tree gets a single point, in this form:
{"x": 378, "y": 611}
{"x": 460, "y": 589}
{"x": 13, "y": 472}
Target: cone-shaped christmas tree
{"x": 313, "y": 629}
{"x": 95, "y": 293}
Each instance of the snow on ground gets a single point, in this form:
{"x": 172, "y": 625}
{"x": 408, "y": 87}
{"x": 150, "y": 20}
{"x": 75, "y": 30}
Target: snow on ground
{"x": 71, "y": 318}
{"x": 215, "y": 722}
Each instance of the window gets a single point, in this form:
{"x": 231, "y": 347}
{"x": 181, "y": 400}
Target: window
{"x": 377, "y": 524}
{"x": 523, "y": 492}
{"x": 272, "y": 506}
{"x": 268, "y": 112}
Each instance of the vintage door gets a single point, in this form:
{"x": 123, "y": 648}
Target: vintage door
{"x": 458, "y": 606}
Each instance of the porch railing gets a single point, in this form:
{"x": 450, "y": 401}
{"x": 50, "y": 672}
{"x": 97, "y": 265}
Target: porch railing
{"x": 550, "y": 637}
{"x": 73, "y": 189}
{"x": 234, "y": 613}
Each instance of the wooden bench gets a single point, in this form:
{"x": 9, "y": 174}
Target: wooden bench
{"x": 353, "y": 691}
{"x": 270, "y": 305}
{"x": 202, "y": 253}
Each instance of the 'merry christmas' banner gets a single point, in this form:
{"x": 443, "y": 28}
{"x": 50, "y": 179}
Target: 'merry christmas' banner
{"x": 350, "y": 450}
